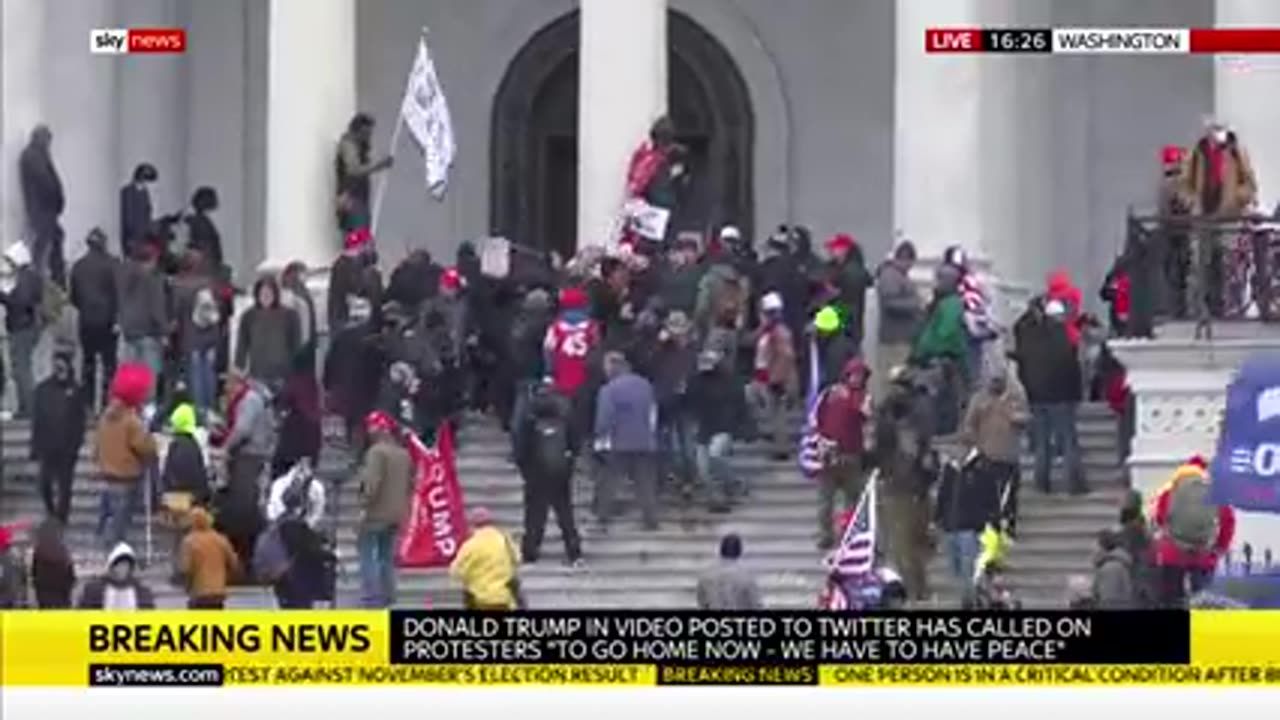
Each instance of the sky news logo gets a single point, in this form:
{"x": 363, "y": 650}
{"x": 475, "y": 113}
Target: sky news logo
{"x": 106, "y": 41}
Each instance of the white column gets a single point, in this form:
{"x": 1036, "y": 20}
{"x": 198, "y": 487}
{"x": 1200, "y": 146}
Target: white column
{"x": 311, "y": 95}
{"x": 80, "y": 106}
{"x": 937, "y": 158}
{"x": 152, "y": 105}
{"x": 20, "y": 105}
{"x": 622, "y": 70}
{"x": 1246, "y": 89}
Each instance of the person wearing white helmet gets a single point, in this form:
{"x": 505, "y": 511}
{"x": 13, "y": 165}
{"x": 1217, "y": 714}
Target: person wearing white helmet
{"x": 775, "y": 383}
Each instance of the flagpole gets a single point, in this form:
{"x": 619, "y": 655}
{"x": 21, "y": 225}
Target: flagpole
{"x": 391, "y": 152}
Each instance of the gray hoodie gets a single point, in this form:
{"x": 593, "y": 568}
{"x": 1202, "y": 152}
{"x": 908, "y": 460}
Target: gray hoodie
{"x": 901, "y": 311}
{"x": 254, "y": 431}
{"x": 142, "y": 302}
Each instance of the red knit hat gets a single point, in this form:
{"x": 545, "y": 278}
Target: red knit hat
{"x": 573, "y": 299}
{"x": 450, "y": 279}
{"x": 1171, "y": 155}
{"x": 843, "y": 241}
{"x": 132, "y": 384}
{"x": 378, "y": 421}
{"x": 358, "y": 238}
{"x": 1198, "y": 461}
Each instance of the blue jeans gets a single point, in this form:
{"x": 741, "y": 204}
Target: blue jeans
{"x": 148, "y": 351}
{"x": 676, "y": 449}
{"x": 22, "y": 350}
{"x": 962, "y": 555}
{"x": 376, "y": 550}
{"x": 1053, "y": 426}
{"x": 202, "y": 379}
{"x": 119, "y": 501}
{"x": 713, "y": 468}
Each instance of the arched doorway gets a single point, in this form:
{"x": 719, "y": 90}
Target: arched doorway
{"x": 534, "y": 142}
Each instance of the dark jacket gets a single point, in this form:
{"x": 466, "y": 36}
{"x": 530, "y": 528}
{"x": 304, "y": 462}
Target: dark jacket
{"x": 718, "y": 403}
{"x": 57, "y": 425}
{"x": 1113, "y": 580}
{"x": 53, "y": 574}
{"x": 203, "y": 235}
{"x": 184, "y": 469}
{"x": 833, "y": 352}
{"x": 269, "y": 337}
{"x": 782, "y": 273}
{"x": 93, "y": 290}
{"x": 679, "y": 287}
{"x": 22, "y": 303}
{"x": 346, "y": 278}
{"x": 967, "y": 500}
{"x": 414, "y": 281}
{"x": 41, "y": 187}
{"x": 851, "y": 281}
{"x": 94, "y": 593}
{"x": 626, "y": 414}
{"x": 142, "y": 302}
{"x": 135, "y": 216}
{"x": 353, "y": 370}
{"x": 191, "y": 336}
{"x": 528, "y": 333}
{"x": 901, "y": 312}
{"x": 671, "y": 370}
{"x": 545, "y": 407}
{"x": 300, "y": 431}
{"x": 1047, "y": 363}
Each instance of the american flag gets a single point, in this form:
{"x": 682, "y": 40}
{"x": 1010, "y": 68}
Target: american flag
{"x": 811, "y": 443}
{"x": 856, "y": 553}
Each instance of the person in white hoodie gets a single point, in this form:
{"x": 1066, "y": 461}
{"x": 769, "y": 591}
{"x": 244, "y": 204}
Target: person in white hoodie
{"x": 119, "y": 587}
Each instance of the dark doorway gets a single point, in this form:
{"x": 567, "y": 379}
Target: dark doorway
{"x": 533, "y": 168}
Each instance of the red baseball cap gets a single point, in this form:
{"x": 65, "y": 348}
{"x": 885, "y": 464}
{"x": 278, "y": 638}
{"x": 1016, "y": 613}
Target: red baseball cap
{"x": 843, "y": 241}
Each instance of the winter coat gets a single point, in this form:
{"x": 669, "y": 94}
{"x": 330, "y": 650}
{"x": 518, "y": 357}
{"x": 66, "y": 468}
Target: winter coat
{"x": 1113, "y": 581}
{"x": 1238, "y": 187}
{"x": 206, "y": 558}
{"x": 1064, "y": 291}
{"x": 22, "y": 303}
{"x": 41, "y": 187}
{"x": 671, "y": 370}
{"x": 834, "y": 351}
{"x": 842, "y": 412}
{"x": 729, "y": 586}
{"x": 267, "y": 341}
{"x": 994, "y": 424}
{"x": 901, "y": 311}
{"x": 775, "y": 361}
{"x": 53, "y": 573}
{"x": 348, "y": 278}
{"x": 57, "y": 427}
{"x": 1168, "y": 552}
{"x": 486, "y": 565}
{"x": 679, "y": 287}
{"x": 627, "y": 414}
{"x": 184, "y": 469}
{"x": 851, "y": 281}
{"x": 967, "y": 500}
{"x": 943, "y": 334}
{"x": 142, "y": 302}
{"x": 124, "y": 447}
{"x": 93, "y": 290}
{"x": 192, "y": 337}
{"x": 252, "y": 430}
{"x": 528, "y": 332}
{"x": 94, "y": 595}
{"x": 718, "y": 403}
{"x": 413, "y": 282}
{"x": 386, "y": 485}
{"x": 353, "y": 370}
{"x": 203, "y": 235}
{"x": 300, "y": 432}
{"x": 1048, "y": 366}
{"x": 135, "y": 216}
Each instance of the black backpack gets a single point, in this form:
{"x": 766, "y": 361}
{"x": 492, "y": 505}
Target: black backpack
{"x": 551, "y": 449}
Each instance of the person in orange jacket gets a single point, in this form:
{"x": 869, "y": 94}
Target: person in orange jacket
{"x": 1190, "y": 533}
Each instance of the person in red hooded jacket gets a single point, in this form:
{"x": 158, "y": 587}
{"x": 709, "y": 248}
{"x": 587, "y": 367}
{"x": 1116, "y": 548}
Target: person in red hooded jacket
{"x": 842, "y": 410}
{"x": 1061, "y": 288}
{"x": 1191, "y": 534}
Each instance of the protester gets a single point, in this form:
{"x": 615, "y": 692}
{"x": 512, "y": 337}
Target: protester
{"x": 135, "y": 209}
{"x": 57, "y": 432}
{"x": 299, "y": 416}
{"x": 94, "y": 295}
{"x": 199, "y": 330}
{"x": 544, "y": 454}
{"x": 835, "y": 348}
{"x": 723, "y": 292}
{"x": 415, "y": 280}
{"x": 993, "y": 426}
{"x": 184, "y": 469}
{"x": 43, "y": 200}
{"x": 144, "y": 317}
{"x": 202, "y": 233}
{"x": 124, "y": 449}
{"x": 1113, "y": 573}
{"x": 355, "y": 169}
{"x": 729, "y": 586}
{"x": 903, "y": 438}
{"x": 626, "y": 432}
{"x": 13, "y": 576}
{"x": 269, "y": 336}
{"x": 1191, "y": 533}
{"x": 1050, "y": 372}
{"x": 1136, "y": 540}
{"x": 901, "y": 312}
{"x": 207, "y": 560}
{"x": 967, "y": 501}
{"x": 291, "y": 554}
{"x": 247, "y": 441}
{"x": 775, "y": 382}
{"x": 679, "y": 284}
{"x": 353, "y": 369}
{"x": 1218, "y": 178}
{"x": 842, "y": 410}
{"x": 386, "y": 486}
{"x": 53, "y": 572}
{"x": 119, "y": 587}
{"x": 487, "y": 565}
{"x": 670, "y": 368}
{"x": 849, "y": 282}
{"x": 718, "y": 404}
{"x": 22, "y": 321}
{"x": 569, "y": 346}
{"x": 348, "y": 277}
{"x": 943, "y": 344}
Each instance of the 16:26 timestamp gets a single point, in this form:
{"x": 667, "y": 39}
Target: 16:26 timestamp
{"x": 1018, "y": 41}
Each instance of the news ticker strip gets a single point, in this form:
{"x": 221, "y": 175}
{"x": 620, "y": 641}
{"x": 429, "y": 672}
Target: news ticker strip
{"x": 1102, "y": 41}
{"x": 725, "y": 674}
{"x": 58, "y": 648}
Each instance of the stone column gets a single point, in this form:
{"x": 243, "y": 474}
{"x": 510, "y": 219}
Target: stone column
{"x": 21, "y": 106}
{"x": 622, "y": 67}
{"x": 152, "y": 106}
{"x": 80, "y": 108}
{"x": 1245, "y": 91}
{"x": 311, "y": 95}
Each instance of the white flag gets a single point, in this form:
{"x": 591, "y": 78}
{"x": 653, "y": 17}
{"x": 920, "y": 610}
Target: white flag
{"x": 426, "y": 113}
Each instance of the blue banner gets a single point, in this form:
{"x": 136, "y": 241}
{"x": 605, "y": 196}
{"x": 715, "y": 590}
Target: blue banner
{"x": 1246, "y": 468}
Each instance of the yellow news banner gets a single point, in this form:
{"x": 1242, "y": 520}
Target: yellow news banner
{"x": 53, "y": 649}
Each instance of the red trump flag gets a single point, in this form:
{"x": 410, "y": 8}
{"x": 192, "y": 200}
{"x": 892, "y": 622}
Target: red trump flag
{"x": 437, "y": 522}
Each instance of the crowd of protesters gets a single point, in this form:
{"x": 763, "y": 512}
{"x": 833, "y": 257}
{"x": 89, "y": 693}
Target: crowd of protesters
{"x": 643, "y": 368}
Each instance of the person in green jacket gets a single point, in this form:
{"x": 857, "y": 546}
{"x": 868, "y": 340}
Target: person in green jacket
{"x": 943, "y": 342}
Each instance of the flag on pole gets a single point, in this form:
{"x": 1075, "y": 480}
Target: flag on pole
{"x": 856, "y": 553}
{"x": 812, "y": 445}
{"x": 426, "y": 113}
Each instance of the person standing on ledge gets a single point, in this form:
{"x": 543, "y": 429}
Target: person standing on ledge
{"x": 354, "y": 169}
{"x": 44, "y": 201}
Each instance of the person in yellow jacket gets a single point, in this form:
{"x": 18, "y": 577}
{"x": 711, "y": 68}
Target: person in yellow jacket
{"x": 488, "y": 567}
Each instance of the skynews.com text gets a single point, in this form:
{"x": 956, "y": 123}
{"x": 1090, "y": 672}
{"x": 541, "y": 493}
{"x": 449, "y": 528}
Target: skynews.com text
{"x": 119, "y": 41}
{"x": 155, "y": 675}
